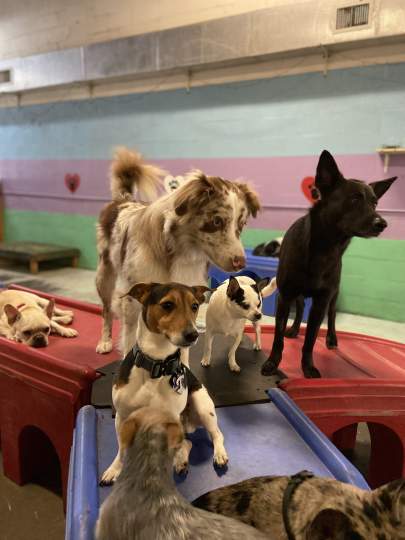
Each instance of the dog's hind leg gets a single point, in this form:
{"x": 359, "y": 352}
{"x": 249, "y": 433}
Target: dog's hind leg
{"x": 293, "y": 331}
{"x": 105, "y": 283}
{"x": 331, "y": 339}
{"x": 316, "y": 315}
{"x": 202, "y": 410}
{"x": 271, "y": 364}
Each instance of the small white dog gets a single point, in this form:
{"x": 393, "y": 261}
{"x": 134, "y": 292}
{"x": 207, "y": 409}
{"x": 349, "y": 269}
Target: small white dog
{"x": 28, "y": 318}
{"x": 234, "y": 301}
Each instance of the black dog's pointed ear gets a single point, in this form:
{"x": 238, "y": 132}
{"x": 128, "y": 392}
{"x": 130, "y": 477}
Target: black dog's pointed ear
{"x": 233, "y": 287}
{"x": 327, "y": 173}
{"x": 382, "y": 186}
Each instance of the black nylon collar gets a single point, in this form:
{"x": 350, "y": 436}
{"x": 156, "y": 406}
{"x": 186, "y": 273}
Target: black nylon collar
{"x": 295, "y": 481}
{"x": 157, "y": 368}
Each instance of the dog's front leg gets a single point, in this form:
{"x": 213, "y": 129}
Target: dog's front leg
{"x": 316, "y": 315}
{"x": 131, "y": 310}
{"x": 62, "y": 331}
{"x": 111, "y": 474}
{"x": 258, "y": 331}
{"x": 233, "y": 365}
{"x": 208, "y": 338}
{"x": 203, "y": 410}
{"x": 271, "y": 364}
{"x": 331, "y": 339}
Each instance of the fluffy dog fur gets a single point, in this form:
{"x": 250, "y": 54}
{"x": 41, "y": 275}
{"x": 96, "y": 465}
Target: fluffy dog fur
{"x": 234, "y": 301}
{"x": 172, "y": 239}
{"x": 28, "y": 318}
{"x": 320, "y": 509}
{"x": 144, "y": 503}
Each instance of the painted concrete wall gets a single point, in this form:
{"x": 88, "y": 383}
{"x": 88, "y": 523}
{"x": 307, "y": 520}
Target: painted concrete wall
{"x": 35, "y": 26}
{"x": 269, "y": 132}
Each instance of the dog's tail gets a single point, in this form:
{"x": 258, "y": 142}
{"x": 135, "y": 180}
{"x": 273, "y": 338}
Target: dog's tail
{"x": 128, "y": 170}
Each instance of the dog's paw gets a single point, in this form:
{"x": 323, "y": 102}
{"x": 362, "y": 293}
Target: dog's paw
{"x": 110, "y": 475}
{"x": 220, "y": 458}
{"x": 205, "y": 362}
{"x": 331, "y": 341}
{"x": 234, "y": 367}
{"x": 104, "y": 347}
{"x": 65, "y": 319}
{"x": 70, "y": 332}
{"x": 180, "y": 465}
{"x": 269, "y": 368}
{"x": 311, "y": 372}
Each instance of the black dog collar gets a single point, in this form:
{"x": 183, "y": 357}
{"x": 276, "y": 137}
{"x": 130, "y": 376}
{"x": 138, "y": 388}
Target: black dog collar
{"x": 157, "y": 368}
{"x": 295, "y": 481}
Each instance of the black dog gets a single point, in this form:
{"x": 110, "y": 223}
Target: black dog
{"x": 311, "y": 256}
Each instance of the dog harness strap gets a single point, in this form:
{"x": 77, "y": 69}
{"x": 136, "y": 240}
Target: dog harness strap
{"x": 157, "y": 368}
{"x": 295, "y": 481}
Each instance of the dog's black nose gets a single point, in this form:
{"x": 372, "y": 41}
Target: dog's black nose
{"x": 38, "y": 341}
{"x": 190, "y": 337}
{"x": 258, "y": 316}
{"x": 379, "y": 224}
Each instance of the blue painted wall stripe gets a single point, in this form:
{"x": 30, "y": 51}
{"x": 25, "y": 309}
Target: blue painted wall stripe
{"x": 350, "y": 111}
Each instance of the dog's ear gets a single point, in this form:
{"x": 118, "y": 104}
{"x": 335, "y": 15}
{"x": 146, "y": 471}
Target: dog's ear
{"x": 49, "y": 308}
{"x": 392, "y": 498}
{"x": 233, "y": 287}
{"x": 141, "y": 291}
{"x": 251, "y": 198}
{"x": 194, "y": 193}
{"x": 331, "y": 524}
{"x": 382, "y": 186}
{"x": 199, "y": 291}
{"x": 12, "y": 314}
{"x": 328, "y": 175}
{"x": 175, "y": 434}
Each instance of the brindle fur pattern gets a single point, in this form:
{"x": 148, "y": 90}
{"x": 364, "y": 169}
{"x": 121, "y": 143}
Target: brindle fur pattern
{"x": 320, "y": 508}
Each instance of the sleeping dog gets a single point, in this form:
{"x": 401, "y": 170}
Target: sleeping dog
{"x": 152, "y": 373}
{"x": 27, "y": 318}
{"x": 173, "y": 239}
{"x": 234, "y": 301}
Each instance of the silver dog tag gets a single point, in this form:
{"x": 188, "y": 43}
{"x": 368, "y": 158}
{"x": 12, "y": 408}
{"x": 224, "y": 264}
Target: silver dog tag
{"x": 178, "y": 382}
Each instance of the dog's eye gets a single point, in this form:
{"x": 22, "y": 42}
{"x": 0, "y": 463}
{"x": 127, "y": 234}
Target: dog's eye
{"x": 194, "y": 307}
{"x": 218, "y": 221}
{"x": 46, "y": 329}
{"x": 27, "y": 333}
{"x": 167, "y": 306}
{"x": 357, "y": 197}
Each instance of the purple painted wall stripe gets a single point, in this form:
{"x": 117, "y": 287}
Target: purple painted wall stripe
{"x": 38, "y": 185}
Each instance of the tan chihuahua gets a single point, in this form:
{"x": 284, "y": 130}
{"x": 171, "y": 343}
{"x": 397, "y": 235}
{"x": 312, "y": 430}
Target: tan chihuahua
{"x": 29, "y": 319}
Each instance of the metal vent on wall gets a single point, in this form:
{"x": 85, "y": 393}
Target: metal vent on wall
{"x": 352, "y": 16}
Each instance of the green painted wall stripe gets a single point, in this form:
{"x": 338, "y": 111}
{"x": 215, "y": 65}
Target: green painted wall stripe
{"x": 74, "y": 230}
{"x": 373, "y": 279}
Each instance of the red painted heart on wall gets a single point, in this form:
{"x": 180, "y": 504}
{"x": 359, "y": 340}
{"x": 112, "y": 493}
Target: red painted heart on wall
{"x": 72, "y": 182}
{"x": 309, "y": 190}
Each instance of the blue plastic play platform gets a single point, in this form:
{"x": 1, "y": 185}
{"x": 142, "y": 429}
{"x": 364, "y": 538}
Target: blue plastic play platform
{"x": 256, "y": 267}
{"x": 266, "y": 439}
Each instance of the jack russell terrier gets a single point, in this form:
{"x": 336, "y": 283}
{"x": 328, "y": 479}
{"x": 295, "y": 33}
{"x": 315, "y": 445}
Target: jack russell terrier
{"x": 234, "y": 301}
{"x": 152, "y": 373}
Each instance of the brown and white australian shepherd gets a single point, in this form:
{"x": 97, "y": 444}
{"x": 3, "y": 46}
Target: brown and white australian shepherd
{"x": 172, "y": 239}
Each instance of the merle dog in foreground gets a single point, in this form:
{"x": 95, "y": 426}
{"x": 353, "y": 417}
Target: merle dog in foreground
{"x": 311, "y": 256}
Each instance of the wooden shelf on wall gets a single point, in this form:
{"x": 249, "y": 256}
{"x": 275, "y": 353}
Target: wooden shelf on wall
{"x": 388, "y": 152}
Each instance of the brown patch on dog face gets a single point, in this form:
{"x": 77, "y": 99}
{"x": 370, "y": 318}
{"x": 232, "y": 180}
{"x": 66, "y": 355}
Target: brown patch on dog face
{"x": 251, "y": 198}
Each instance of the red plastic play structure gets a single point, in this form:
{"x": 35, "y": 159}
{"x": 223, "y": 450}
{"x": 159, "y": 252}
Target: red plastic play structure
{"x": 41, "y": 391}
{"x": 364, "y": 381}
